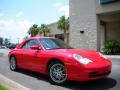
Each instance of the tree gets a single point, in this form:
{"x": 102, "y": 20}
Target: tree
{"x": 44, "y": 29}
{"x": 33, "y": 30}
{"x": 63, "y": 24}
{"x": 6, "y": 41}
{"x": 1, "y": 40}
{"x": 40, "y": 32}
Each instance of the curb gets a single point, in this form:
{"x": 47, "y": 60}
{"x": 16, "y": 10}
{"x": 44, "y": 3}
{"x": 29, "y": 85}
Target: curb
{"x": 10, "y": 84}
{"x": 112, "y": 56}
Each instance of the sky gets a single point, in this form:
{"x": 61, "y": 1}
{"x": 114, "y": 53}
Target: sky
{"x": 16, "y": 16}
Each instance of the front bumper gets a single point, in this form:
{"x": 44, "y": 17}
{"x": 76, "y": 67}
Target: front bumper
{"x": 87, "y": 74}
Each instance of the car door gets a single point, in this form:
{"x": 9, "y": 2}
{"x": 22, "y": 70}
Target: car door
{"x": 29, "y": 55}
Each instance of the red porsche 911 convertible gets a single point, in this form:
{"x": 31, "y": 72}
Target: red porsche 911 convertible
{"x": 59, "y": 61}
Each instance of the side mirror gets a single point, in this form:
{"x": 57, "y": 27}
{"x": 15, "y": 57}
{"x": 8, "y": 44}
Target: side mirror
{"x": 34, "y": 47}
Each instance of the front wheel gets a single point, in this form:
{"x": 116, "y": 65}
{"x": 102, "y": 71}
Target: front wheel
{"x": 57, "y": 73}
{"x": 13, "y": 63}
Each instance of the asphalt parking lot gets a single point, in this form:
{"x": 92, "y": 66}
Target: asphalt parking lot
{"x": 37, "y": 81}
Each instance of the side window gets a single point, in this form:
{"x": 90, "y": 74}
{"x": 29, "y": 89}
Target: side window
{"x": 29, "y": 43}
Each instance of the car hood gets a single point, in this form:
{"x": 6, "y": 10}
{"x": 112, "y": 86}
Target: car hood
{"x": 90, "y": 54}
{"x": 84, "y": 53}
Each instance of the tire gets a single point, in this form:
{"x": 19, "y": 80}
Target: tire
{"x": 13, "y": 64}
{"x": 57, "y": 73}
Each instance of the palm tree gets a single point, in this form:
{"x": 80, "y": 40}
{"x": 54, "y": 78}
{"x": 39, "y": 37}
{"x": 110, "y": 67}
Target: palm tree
{"x": 44, "y": 29}
{"x": 33, "y": 30}
{"x": 63, "y": 24}
{"x": 40, "y": 32}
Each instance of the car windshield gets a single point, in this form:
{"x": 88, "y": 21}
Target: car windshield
{"x": 51, "y": 43}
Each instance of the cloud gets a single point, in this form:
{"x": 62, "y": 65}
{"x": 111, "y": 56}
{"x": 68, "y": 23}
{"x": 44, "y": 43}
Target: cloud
{"x": 19, "y": 14}
{"x": 64, "y": 9}
{"x": 57, "y": 4}
{"x": 14, "y": 29}
{"x": 1, "y": 14}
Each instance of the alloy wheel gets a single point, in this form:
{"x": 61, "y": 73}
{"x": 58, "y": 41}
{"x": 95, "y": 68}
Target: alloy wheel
{"x": 58, "y": 73}
{"x": 13, "y": 65}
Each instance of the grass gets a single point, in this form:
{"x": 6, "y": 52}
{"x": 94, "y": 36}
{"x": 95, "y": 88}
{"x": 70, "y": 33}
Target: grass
{"x": 3, "y": 88}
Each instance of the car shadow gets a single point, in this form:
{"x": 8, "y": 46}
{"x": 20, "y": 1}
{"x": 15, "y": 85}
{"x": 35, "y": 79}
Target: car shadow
{"x": 102, "y": 84}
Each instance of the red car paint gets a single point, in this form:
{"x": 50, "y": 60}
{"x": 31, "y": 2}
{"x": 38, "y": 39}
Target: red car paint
{"x": 38, "y": 60}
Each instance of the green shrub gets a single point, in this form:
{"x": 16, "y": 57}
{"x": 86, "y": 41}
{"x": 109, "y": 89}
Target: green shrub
{"x": 111, "y": 47}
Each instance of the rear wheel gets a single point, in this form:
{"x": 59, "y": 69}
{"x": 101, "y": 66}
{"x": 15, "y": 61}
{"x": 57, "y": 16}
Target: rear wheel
{"x": 13, "y": 63}
{"x": 57, "y": 73}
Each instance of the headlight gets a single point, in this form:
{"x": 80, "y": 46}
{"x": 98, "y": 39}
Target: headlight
{"x": 81, "y": 59}
{"x": 102, "y": 56}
